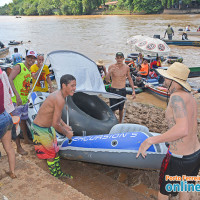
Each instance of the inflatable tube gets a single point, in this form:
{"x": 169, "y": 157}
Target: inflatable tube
{"x": 129, "y": 90}
{"x": 86, "y": 113}
{"x": 89, "y": 113}
{"x": 172, "y": 59}
{"x": 133, "y": 56}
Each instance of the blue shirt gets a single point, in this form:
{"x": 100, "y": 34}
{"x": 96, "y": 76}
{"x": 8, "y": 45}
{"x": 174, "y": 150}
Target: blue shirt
{"x": 16, "y": 58}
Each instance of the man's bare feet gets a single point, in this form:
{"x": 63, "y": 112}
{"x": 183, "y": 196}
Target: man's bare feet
{"x": 22, "y": 151}
{"x": 12, "y": 175}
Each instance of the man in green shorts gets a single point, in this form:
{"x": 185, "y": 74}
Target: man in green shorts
{"x": 48, "y": 120}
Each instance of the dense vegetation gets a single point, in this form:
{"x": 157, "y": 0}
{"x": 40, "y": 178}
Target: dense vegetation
{"x": 85, "y": 7}
{"x": 50, "y": 7}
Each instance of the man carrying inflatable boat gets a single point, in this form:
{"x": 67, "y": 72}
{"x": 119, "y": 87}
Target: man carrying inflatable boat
{"x": 183, "y": 156}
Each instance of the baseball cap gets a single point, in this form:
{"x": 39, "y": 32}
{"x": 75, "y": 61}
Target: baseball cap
{"x": 31, "y": 53}
{"x": 119, "y": 54}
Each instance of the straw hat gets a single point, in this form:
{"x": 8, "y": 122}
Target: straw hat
{"x": 177, "y": 72}
{"x": 100, "y": 63}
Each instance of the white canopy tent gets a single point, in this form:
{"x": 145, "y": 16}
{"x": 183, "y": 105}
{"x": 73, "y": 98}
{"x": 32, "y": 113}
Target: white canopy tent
{"x": 85, "y": 71}
{"x": 88, "y": 79}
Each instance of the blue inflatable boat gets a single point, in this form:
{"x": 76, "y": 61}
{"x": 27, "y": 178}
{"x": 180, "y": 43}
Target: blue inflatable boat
{"x": 118, "y": 148}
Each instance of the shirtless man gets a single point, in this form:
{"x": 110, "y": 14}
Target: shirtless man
{"x": 48, "y": 120}
{"x": 183, "y": 156}
{"x": 118, "y": 72}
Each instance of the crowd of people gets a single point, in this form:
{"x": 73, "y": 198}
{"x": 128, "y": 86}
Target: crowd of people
{"x": 183, "y": 156}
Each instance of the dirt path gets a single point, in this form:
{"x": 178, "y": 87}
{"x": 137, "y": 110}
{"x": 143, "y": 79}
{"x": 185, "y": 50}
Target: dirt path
{"x": 91, "y": 181}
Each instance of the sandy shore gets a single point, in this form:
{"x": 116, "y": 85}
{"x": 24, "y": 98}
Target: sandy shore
{"x": 91, "y": 181}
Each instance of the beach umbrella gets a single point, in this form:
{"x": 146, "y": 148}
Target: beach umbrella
{"x": 149, "y": 46}
{"x": 135, "y": 39}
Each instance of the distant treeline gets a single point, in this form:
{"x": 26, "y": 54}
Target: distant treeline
{"x": 86, "y": 7}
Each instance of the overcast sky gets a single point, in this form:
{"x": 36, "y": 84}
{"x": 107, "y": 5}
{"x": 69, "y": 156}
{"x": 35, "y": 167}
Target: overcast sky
{"x": 3, "y": 2}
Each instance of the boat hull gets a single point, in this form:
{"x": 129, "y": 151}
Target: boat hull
{"x": 183, "y": 42}
{"x": 118, "y": 149}
{"x": 194, "y": 72}
{"x": 119, "y": 159}
{"x": 193, "y": 33}
{"x": 158, "y": 93}
{"x": 4, "y": 50}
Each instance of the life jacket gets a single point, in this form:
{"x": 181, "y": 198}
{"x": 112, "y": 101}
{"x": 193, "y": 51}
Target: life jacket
{"x": 169, "y": 31}
{"x": 152, "y": 75}
{"x": 155, "y": 64}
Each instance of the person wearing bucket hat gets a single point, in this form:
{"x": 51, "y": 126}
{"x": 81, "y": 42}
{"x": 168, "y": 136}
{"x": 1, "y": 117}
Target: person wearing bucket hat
{"x": 101, "y": 67}
{"x": 119, "y": 72}
{"x": 20, "y": 78}
{"x": 183, "y": 155}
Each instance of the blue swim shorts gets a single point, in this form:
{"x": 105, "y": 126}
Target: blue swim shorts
{"x": 6, "y": 123}
{"x": 21, "y": 111}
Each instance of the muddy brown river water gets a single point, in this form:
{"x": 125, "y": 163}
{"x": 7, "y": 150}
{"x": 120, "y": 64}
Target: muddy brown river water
{"x": 100, "y": 37}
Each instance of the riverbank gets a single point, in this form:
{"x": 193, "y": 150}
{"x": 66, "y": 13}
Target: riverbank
{"x": 165, "y": 12}
{"x": 91, "y": 181}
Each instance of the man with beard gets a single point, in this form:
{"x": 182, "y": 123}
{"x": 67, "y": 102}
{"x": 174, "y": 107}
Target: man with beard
{"x": 183, "y": 156}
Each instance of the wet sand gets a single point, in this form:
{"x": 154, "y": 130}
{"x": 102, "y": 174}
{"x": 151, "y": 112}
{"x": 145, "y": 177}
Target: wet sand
{"x": 93, "y": 181}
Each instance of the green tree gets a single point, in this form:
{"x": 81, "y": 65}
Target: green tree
{"x": 76, "y": 7}
{"x": 148, "y": 6}
{"x": 169, "y": 4}
{"x": 4, "y": 10}
{"x": 86, "y": 6}
{"x": 121, "y": 4}
{"x": 21, "y": 11}
{"x": 45, "y": 7}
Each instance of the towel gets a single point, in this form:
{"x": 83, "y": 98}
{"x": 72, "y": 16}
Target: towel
{"x": 8, "y": 93}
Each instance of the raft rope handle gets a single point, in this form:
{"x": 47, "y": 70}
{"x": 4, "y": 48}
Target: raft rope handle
{"x": 118, "y": 103}
{"x": 67, "y": 113}
{"x": 124, "y": 112}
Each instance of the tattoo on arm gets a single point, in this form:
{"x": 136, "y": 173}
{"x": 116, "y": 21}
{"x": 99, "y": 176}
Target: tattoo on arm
{"x": 178, "y": 106}
{"x": 174, "y": 143}
{"x": 171, "y": 122}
